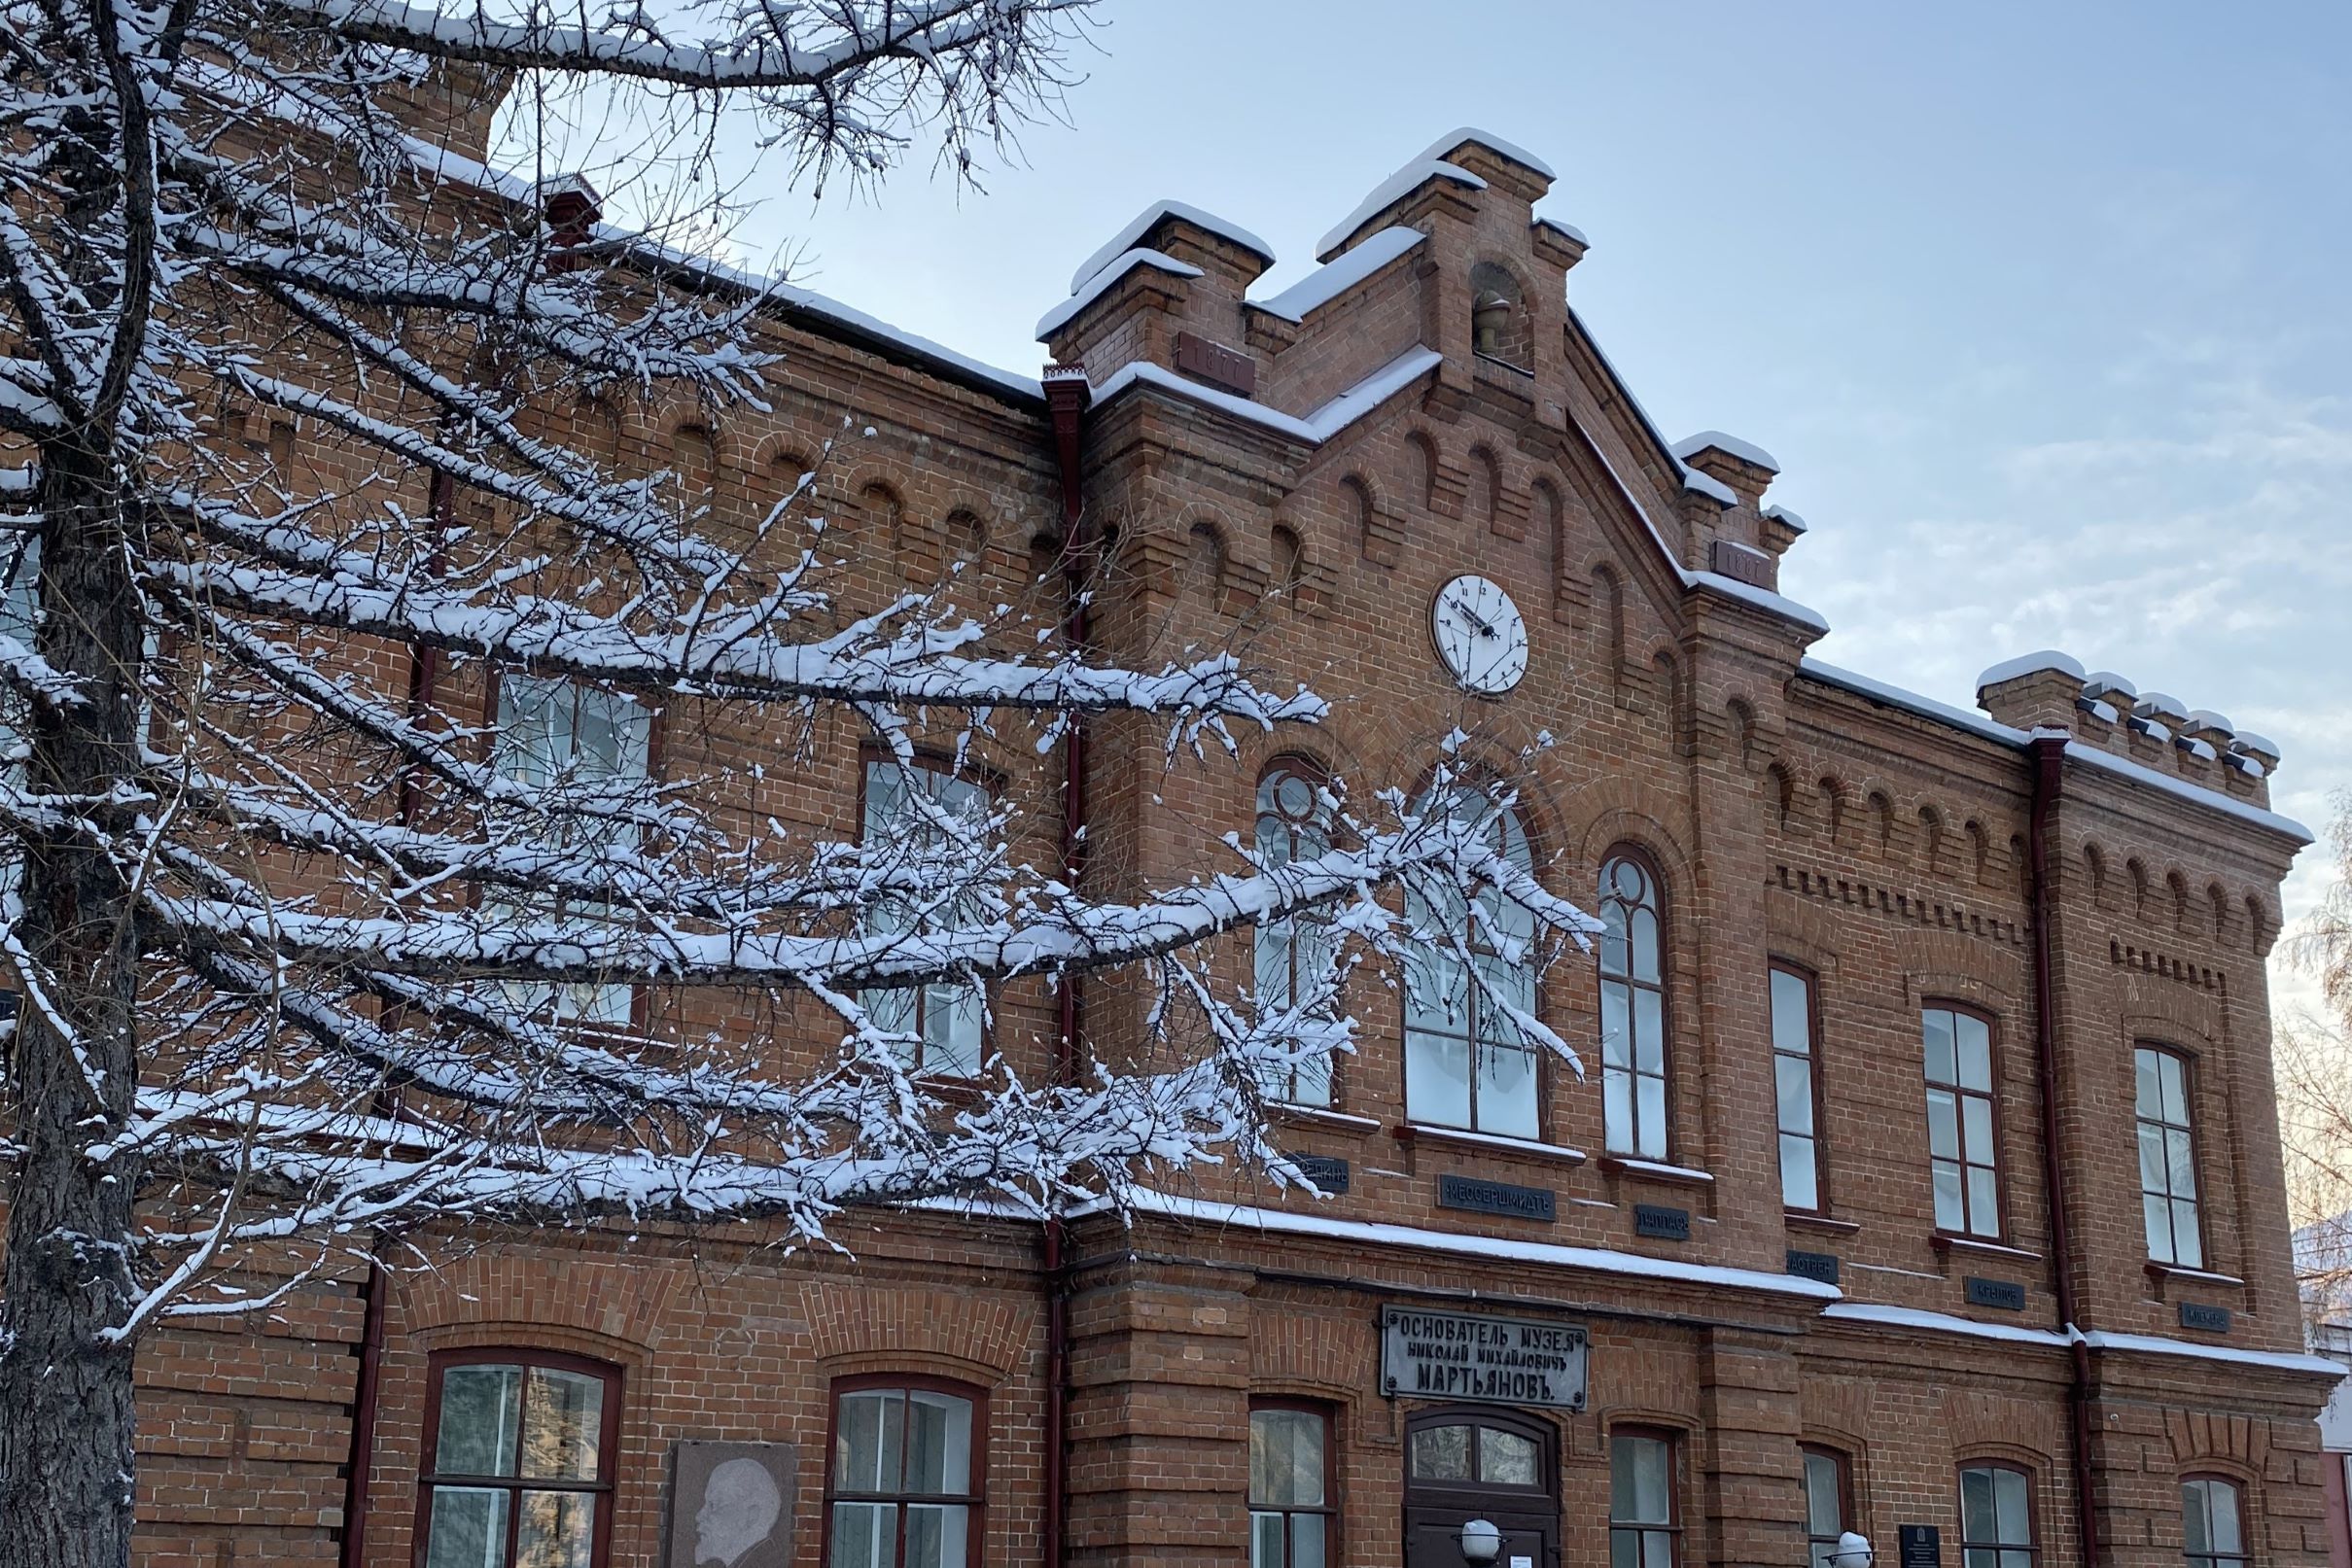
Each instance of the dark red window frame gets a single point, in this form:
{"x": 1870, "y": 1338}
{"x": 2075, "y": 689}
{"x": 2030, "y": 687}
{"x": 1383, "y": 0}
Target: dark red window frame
{"x": 607, "y": 1437}
{"x": 1329, "y": 1508}
{"x": 1671, "y": 1529}
{"x": 974, "y": 1501}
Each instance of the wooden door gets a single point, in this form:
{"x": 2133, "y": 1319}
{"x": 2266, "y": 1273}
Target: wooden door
{"x": 1473, "y": 1463}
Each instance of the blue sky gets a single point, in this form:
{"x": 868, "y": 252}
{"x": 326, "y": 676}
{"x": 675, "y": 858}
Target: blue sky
{"x": 2043, "y": 308}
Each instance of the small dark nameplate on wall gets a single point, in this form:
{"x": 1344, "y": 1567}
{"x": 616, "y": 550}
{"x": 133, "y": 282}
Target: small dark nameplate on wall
{"x": 2002, "y": 1293}
{"x": 1820, "y": 1266}
{"x": 1665, "y": 1224}
{"x": 1921, "y": 1546}
{"x": 1328, "y": 1171}
{"x": 1495, "y": 1197}
{"x": 2207, "y": 1319}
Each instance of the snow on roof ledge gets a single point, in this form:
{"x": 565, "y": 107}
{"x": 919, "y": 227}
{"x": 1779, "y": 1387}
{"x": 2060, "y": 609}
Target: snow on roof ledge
{"x": 1560, "y": 225}
{"x": 1333, "y": 279}
{"x": 1707, "y": 485}
{"x": 1101, "y": 281}
{"x": 1454, "y": 140}
{"x": 1786, "y": 518}
{"x": 2025, "y": 664}
{"x": 1690, "y": 446}
{"x": 1394, "y": 187}
{"x": 2099, "y": 683}
{"x": 1142, "y": 224}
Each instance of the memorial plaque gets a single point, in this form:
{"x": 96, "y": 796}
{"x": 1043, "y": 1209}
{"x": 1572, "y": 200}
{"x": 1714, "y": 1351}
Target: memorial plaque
{"x": 2001, "y": 1293}
{"x": 1820, "y": 1266}
{"x": 1919, "y": 1546}
{"x": 1328, "y": 1171}
{"x": 1471, "y": 1356}
{"x": 731, "y": 1503}
{"x": 1663, "y": 1222}
{"x": 1481, "y": 1197}
{"x": 2204, "y": 1318}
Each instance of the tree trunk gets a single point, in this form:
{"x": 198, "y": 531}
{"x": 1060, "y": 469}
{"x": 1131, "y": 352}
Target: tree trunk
{"x": 66, "y": 1408}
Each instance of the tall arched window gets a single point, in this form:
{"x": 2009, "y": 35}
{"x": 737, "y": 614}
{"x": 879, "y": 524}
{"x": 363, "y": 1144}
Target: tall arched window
{"x": 519, "y": 1461}
{"x": 2167, "y": 1145}
{"x": 1295, "y": 952}
{"x": 1467, "y": 1064}
{"x": 1633, "y": 1007}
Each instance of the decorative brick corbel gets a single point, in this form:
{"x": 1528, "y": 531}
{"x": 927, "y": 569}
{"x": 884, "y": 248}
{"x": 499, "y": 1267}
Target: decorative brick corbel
{"x": 1511, "y": 509}
{"x": 1449, "y": 488}
{"x": 1384, "y": 536}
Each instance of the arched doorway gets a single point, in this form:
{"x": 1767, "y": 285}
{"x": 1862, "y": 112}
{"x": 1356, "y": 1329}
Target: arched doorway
{"x": 1465, "y": 1463}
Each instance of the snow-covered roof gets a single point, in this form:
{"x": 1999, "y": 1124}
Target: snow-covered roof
{"x": 1561, "y": 226}
{"x": 2207, "y": 718}
{"x": 1707, "y": 485}
{"x": 2253, "y": 745}
{"x": 1460, "y": 136}
{"x": 1412, "y": 176}
{"x": 1692, "y": 479}
{"x": 1142, "y": 223}
{"x": 2025, "y": 664}
{"x": 1906, "y": 1317}
{"x": 2162, "y": 705}
{"x": 1316, "y": 427}
{"x": 2099, "y": 683}
{"x": 1330, "y": 281}
{"x": 1786, "y": 518}
{"x": 1103, "y": 279}
{"x": 1690, "y": 446}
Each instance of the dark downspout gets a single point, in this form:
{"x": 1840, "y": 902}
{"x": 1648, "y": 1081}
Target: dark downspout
{"x": 2046, "y": 755}
{"x": 1066, "y": 396}
{"x": 424, "y": 677}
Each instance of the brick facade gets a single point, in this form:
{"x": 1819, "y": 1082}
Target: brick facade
{"x": 1791, "y": 811}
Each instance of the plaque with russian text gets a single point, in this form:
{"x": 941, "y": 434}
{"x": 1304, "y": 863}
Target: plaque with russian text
{"x": 1472, "y": 1356}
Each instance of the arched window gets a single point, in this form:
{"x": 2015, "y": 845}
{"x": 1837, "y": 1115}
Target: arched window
{"x": 2167, "y": 1146}
{"x": 902, "y": 1482}
{"x": 1466, "y": 1061}
{"x": 1293, "y": 953}
{"x": 1964, "y": 1120}
{"x": 1996, "y": 1517}
{"x": 1828, "y": 1507}
{"x": 519, "y": 1463}
{"x": 1645, "y": 1508}
{"x": 1293, "y": 1515}
{"x": 1633, "y": 1007}
{"x": 2213, "y": 1530}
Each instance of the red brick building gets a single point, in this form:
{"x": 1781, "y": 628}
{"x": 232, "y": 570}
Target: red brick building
{"x": 1919, "y": 1034}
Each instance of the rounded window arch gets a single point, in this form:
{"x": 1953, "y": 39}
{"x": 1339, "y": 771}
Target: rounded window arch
{"x": 1635, "y": 1107}
{"x": 2213, "y": 1521}
{"x": 904, "y": 1471}
{"x": 1477, "y": 1446}
{"x": 1467, "y": 1061}
{"x": 519, "y": 1456}
{"x": 1293, "y": 955}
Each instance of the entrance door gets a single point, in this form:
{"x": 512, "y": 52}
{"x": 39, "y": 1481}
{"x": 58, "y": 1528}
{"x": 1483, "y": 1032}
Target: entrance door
{"x": 1466, "y": 1463}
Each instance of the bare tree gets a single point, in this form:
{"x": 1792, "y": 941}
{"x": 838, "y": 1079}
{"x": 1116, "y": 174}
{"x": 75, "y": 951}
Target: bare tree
{"x": 303, "y": 960}
{"x": 2315, "y": 1096}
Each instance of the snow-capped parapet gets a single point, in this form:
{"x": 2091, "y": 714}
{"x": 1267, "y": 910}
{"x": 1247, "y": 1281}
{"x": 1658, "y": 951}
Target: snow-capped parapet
{"x": 1461, "y": 136}
{"x": 2027, "y": 664}
{"x": 1748, "y": 452}
{"x": 1330, "y": 281}
{"x": 2155, "y": 732}
{"x": 1389, "y": 193}
{"x": 1103, "y": 279}
{"x": 1134, "y": 233}
{"x": 1786, "y": 518}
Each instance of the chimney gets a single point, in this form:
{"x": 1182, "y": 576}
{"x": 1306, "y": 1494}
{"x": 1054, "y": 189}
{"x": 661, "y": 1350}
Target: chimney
{"x": 2034, "y": 692}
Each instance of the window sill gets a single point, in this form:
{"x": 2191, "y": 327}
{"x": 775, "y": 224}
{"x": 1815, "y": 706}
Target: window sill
{"x": 1976, "y": 1247}
{"x": 1799, "y": 1220}
{"x": 1316, "y": 1116}
{"x": 1618, "y": 1165}
{"x": 2160, "y": 1273}
{"x": 1412, "y": 1134}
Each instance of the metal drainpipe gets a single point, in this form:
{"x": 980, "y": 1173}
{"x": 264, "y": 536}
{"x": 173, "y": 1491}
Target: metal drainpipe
{"x": 2047, "y": 756}
{"x": 1066, "y": 396}
{"x": 424, "y": 678}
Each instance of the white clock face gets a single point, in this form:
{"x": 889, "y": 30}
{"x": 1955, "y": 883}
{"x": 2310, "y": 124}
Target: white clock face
{"x": 1480, "y": 635}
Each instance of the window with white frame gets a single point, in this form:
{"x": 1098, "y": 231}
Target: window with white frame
{"x": 1292, "y": 954}
{"x": 2213, "y": 1528}
{"x": 2167, "y": 1146}
{"x": 913, "y": 817}
{"x": 1795, "y": 1048}
{"x": 1467, "y": 1061}
{"x": 1632, "y": 1008}
{"x": 1963, "y": 1121}
{"x": 551, "y": 731}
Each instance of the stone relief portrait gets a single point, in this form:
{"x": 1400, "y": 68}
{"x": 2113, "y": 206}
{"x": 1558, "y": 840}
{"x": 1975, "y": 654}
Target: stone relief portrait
{"x": 731, "y": 1504}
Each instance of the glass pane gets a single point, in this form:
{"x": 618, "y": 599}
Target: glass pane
{"x": 1311, "y": 1085}
{"x": 2009, "y": 1509}
{"x": 1984, "y": 1202}
{"x": 1977, "y": 1507}
{"x": 1800, "y": 1184}
{"x": 1792, "y": 1014}
{"x": 564, "y": 1418}
{"x": 1641, "y": 941}
{"x": 1287, "y": 1458}
{"x": 1649, "y": 1031}
{"x": 556, "y": 1530}
{"x": 1656, "y": 1550}
{"x": 1437, "y": 991}
{"x": 2188, "y": 1246}
{"x": 938, "y": 1443}
{"x": 1506, "y": 1091}
{"x": 865, "y": 1535}
{"x": 2152, "y": 1158}
{"x": 1824, "y": 1500}
{"x": 2148, "y": 1097}
{"x": 1625, "y": 1549}
{"x": 468, "y": 1528}
{"x": 1306, "y": 1541}
{"x": 866, "y": 1441}
{"x": 1616, "y": 1111}
{"x": 1266, "y": 1540}
{"x": 2195, "y": 1517}
{"x": 1637, "y": 1482}
{"x": 1437, "y": 1079}
{"x": 1942, "y": 1124}
{"x": 1975, "y": 1128}
{"x": 1612, "y": 940}
{"x": 1981, "y": 1558}
{"x": 2179, "y": 1163}
{"x": 1793, "y": 1081}
{"x": 481, "y": 1408}
{"x": 936, "y": 1535}
{"x": 2158, "y": 1214}
{"x": 1272, "y": 967}
{"x": 1976, "y": 1052}
{"x": 2176, "y": 1088}
{"x": 1295, "y": 796}
{"x": 1616, "y": 1025}
{"x": 1935, "y": 1027}
{"x": 1441, "y": 1453}
{"x": 1629, "y": 883}
{"x": 1950, "y": 1215}
{"x": 1650, "y": 1104}
{"x": 2016, "y": 1559}
{"x": 2227, "y": 1535}
{"x": 1505, "y": 1458}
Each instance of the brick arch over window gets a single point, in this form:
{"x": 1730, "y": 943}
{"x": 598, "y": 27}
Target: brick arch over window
{"x": 2211, "y": 1440}
{"x": 914, "y": 1323}
{"x": 612, "y": 1304}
